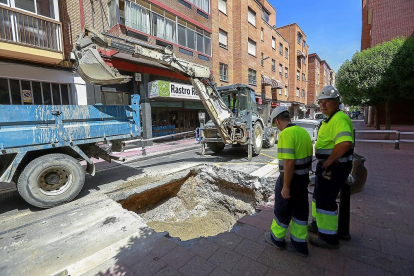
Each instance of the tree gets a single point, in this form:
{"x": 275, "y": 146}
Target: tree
{"x": 379, "y": 75}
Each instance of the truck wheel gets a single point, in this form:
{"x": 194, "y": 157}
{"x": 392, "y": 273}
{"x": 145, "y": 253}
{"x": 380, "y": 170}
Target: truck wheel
{"x": 257, "y": 138}
{"x": 51, "y": 180}
{"x": 270, "y": 142}
{"x": 216, "y": 147}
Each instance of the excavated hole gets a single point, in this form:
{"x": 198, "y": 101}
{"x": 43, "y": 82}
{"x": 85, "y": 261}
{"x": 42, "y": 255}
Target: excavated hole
{"x": 208, "y": 201}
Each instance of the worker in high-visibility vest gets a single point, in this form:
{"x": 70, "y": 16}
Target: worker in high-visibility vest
{"x": 334, "y": 150}
{"x": 294, "y": 151}
{"x": 233, "y": 103}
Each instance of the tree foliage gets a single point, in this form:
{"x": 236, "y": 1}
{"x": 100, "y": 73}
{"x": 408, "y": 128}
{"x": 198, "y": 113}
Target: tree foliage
{"x": 379, "y": 74}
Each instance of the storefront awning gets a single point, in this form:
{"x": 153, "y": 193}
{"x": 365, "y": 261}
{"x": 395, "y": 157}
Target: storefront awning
{"x": 266, "y": 80}
{"x": 301, "y": 54}
{"x": 277, "y": 84}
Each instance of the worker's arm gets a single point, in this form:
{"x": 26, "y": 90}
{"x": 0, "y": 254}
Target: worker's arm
{"x": 288, "y": 170}
{"x": 339, "y": 150}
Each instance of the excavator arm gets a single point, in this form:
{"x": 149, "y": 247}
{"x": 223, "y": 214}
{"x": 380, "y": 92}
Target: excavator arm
{"x": 93, "y": 69}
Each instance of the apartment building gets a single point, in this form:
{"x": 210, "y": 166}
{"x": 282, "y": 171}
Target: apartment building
{"x": 248, "y": 49}
{"x": 33, "y": 66}
{"x": 382, "y": 20}
{"x": 185, "y": 25}
{"x": 298, "y": 68}
{"x": 314, "y": 65}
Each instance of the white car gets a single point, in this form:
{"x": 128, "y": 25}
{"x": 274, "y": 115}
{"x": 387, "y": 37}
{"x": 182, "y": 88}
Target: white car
{"x": 320, "y": 116}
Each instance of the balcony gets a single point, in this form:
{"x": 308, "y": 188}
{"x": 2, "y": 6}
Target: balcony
{"x": 30, "y": 37}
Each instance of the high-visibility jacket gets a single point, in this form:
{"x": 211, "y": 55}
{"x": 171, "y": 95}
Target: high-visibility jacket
{"x": 295, "y": 143}
{"x": 233, "y": 105}
{"x": 336, "y": 129}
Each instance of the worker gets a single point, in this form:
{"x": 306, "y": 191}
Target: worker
{"x": 233, "y": 103}
{"x": 294, "y": 151}
{"x": 334, "y": 151}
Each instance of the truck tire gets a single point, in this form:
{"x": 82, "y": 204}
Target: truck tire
{"x": 257, "y": 136}
{"x": 270, "y": 142}
{"x": 51, "y": 180}
{"x": 216, "y": 147}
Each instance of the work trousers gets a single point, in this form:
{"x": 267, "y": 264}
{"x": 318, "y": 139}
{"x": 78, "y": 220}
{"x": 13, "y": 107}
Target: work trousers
{"x": 294, "y": 209}
{"x": 324, "y": 206}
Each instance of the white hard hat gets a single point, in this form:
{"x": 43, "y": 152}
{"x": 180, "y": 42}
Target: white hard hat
{"x": 329, "y": 92}
{"x": 277, "y": 111}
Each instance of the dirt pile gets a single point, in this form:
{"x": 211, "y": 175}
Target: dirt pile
{"x": 209, "y": 201}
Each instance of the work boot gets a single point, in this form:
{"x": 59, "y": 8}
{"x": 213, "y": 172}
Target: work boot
{"x": 278, "y": 244}
{"x": 312, "y": 227}
{"x": 300, "y": 250}
{"x": 317, "y": 241}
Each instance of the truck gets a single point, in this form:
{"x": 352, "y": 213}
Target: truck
{"x": 41, "y": 146}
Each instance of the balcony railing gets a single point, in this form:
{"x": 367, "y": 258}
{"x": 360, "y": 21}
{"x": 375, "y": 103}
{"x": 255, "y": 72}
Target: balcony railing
{"x": 30, "y": 30}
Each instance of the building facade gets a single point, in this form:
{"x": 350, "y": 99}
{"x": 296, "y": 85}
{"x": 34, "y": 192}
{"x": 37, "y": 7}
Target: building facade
{"x": 298, "y": 68}
{"x": 247, "y": 48}
{"x": 314, "y": 65}
{"x": 33, "y": 66}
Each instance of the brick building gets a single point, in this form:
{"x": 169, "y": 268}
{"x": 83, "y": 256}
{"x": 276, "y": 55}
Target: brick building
{"x": 383, "y": 20}
{"x": 298, "y": 68}
{"x": 248, "y": 49}
{"x": 185, "y": 25}
{"x": 34, "y": 68}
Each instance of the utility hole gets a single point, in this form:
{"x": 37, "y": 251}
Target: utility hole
{"x": 207, "y": 201}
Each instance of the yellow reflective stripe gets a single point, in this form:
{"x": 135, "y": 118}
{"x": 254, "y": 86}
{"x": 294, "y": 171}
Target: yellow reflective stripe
{"x": 299, "y": 230}
{"x": 341, "y": 134}
{"x": 278, "y": 231}
{"x": 327, "y": 221}
{"x": 313, "y": 209}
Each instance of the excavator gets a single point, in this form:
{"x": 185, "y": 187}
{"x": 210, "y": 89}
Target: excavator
{"x": 93, "y": 69}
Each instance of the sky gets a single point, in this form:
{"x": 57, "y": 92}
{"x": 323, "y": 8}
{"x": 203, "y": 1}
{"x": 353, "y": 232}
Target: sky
{"x": 333, "y": 28}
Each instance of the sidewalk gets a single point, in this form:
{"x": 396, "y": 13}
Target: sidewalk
{"x": 382, "y": 229}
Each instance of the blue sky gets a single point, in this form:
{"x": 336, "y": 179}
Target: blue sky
{"x": 333, "y": 28}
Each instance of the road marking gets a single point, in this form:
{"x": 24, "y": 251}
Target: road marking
{"x": 267, "y": 169}
{"x": 246, "y": 163}
{"x": 264, "y": 154}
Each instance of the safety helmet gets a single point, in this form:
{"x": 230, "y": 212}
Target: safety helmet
{"x": 277, "y": 111}
{"x": 329, "y": 92}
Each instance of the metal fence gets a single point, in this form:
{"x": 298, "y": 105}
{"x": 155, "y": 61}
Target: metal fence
{"x": 395, "y": 141}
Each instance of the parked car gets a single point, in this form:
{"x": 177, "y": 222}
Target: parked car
{"x": 320, "y": 117}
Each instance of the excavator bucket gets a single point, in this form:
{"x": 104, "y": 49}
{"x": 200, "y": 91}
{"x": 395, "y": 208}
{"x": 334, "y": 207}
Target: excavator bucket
{"x": 93, "y": 69}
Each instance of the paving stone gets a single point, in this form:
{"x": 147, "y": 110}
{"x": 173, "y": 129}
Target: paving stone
{"x": 404, "y": 238}
{"x": 403, "y": 251}
{"x": 137, "y": 257}
{"x": 119, "y": 269}
{"x": 197, "y": 266}
{"x": 225, "y": 258}
{"x": 250, "y": 220}
{"x": 250, "y": 249}
{"x": 148, "y": 265}
{"x": 219, "y": 272}
{"x": 264, "y": 224}
{"x": 273, "y": 272}
{"x": 383, "y": 233}
{"x": 249, "y": 267}
{"x": 228, "y": 239}
{"x": 162, "y": 246}
{"x": 204, "y": 248}
{"x": 366, "y": 241}
{"x": 327, "y": 259}
{"x": 168, "y": 271}
{"x": 177, "y": 257}
{"x": 386, "y": 262}
{"x": 266, "y": 214}
{"x": 250, "y": 232}
{"x": 353, "y": 267}
{"x": 331, "y": 273}
{"x": 356, "y": 227}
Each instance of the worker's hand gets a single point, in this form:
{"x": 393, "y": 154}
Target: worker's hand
{"x": 285, "y": 193}
{"x": 326, "y": 164}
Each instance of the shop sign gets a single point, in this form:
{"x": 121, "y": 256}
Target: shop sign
{"x": 286, "y": 104}
{"x": 27, "y": 96}
{"x": 168, "y": 89}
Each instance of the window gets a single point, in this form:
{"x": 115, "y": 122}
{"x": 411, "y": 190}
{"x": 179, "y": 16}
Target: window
{"x": 286, "y": 72}
{"x": 224, "y": 72}
{"x": 222, "y": 6}
{"x": 304, "y": 60}
{"x": 252, "y": 47}
{"x": 304, "y": 43}
{"x": 298, "y": 75}
{"x": 273, "y": 65}
{"x": 299, "y": 38}
{"x": 18, "y": 92}
{"x": 262, "y": 60}
{"x": 47, "y": 8}
{"x": 280, "y": 69}
{"x": 222, "y": 39}
{"x": 273, "y": 42}
{"x": 261, "y": 34}
{"x": 286, "y": 92}
{"x": 281, "y": 49}
{"x": 251, "y": 17}
{"x": 286, "y": 52}
{"x": 297, "y": 92}
{"x": 303, "y": 77}
{"x": 280, "y": 91}
{"x": 252, "y": 77}
{"x": 303, "y": 93}
{"x": 265, "y": 15}
{"x": 202, "y": 4}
